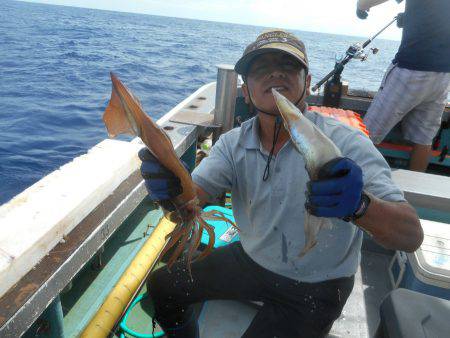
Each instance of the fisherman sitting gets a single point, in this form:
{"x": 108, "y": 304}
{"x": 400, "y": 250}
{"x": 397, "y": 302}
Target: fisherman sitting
{"x": 415, "y": 86}
{"x": 257, "y": 162}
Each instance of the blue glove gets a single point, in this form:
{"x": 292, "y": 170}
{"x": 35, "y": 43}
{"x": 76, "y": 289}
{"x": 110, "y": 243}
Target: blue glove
{"x": 362, "y": 14}
{"x": 337, "y": 192}
{"x": 162, "y": 185}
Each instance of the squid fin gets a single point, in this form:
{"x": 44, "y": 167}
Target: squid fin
{"x": 115, "y": 117}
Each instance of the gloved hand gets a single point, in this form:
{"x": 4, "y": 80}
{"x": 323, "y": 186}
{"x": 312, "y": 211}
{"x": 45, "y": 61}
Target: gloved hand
{"x": 162, "y": 185}
{"x": 337, "y": 192}
{"x": 362, "y": 14}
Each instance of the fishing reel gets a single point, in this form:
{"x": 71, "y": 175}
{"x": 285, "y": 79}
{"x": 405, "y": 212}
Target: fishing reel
{"x": 333, "y": 83}
{"x": 357, "y": 52}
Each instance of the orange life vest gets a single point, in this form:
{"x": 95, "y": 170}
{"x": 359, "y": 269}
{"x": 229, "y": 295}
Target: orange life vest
{"x": 348, "y": 117}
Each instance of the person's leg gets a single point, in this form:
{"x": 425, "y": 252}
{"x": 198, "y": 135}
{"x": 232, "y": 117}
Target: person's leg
{"x": 419, "y": 157}
{"x": 421, "y": 125}
{"x": 295, "y": 309}
{"x": 395, "y": 98}
{"x": 221, "y": 275}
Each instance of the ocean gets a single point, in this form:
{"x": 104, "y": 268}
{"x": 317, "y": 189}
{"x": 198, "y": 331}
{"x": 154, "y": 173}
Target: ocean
{"x": 54, "y": 75}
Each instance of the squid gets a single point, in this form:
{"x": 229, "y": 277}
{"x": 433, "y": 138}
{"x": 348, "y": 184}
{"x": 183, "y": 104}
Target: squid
{"x": 125, "y": 115}
{"x": 316, "y": 148}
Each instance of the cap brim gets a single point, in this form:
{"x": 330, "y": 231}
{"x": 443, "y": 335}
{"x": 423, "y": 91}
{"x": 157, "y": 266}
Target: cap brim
{"x": 244, "y": 62}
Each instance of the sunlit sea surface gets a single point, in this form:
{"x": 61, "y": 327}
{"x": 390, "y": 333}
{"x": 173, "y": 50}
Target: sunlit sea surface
{"x": 54, "y": 75}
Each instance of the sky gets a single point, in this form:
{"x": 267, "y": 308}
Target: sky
{"x": 328, "y": 16}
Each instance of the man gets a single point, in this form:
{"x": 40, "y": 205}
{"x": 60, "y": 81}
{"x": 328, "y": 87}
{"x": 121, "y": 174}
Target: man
{"x": 415, "y": 86}
{"x": 270, "y": 189}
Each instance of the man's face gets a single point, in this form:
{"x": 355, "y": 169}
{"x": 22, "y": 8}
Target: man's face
{"x": 274, "y": 70}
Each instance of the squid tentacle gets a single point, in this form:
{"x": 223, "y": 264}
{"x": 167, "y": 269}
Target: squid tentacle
{"x": 210, "y": 230}
{"x": 179, "y": 249}
{"x": 195, "y": 242}
{"x": 218, "y": 216}
{"x": 174, "y": 236}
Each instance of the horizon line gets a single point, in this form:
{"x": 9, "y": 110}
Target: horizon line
{"x": 204, "y": 20}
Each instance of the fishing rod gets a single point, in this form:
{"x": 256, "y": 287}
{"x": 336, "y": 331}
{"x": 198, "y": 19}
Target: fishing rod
{"x": 354, "y": 51}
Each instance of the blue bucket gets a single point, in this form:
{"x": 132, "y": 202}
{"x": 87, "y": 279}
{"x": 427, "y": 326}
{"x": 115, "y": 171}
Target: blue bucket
{"x": 225, "y": 233}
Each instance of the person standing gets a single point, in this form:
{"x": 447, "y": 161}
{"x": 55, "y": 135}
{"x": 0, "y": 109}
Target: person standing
{"x": 415, "y": 86}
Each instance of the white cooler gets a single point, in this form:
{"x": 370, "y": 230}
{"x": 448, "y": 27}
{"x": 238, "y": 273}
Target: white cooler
{"x": 428, "y": 269}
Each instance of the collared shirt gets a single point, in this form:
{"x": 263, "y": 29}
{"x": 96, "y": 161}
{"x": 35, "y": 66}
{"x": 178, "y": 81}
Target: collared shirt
{"x": 270, "y": 213}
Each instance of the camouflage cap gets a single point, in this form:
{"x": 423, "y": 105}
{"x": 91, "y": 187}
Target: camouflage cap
{"x": 272, "y": 41}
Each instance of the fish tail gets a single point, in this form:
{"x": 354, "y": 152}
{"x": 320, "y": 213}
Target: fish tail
{"x": 307, "y": 247}
{"x": 313, "y": 224}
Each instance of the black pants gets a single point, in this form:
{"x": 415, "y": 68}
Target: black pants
{"x": 291, "y": 309}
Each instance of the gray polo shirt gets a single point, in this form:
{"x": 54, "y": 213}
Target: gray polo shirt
{"x": 270, "y": 213}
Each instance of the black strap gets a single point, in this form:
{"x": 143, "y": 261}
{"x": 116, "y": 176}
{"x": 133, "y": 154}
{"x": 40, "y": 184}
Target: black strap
{"x": 276, "y": 132}
{"x": 277, "y": 127}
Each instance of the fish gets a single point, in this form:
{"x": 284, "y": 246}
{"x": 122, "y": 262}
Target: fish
{"x": 125, "y": 115}
{"x": 316, "y": 148}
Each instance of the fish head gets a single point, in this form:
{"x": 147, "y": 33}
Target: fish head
{"x": 289, "y": 112}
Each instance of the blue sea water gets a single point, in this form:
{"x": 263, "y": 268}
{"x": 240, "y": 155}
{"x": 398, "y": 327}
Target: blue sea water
{"x": 54, "y": 75}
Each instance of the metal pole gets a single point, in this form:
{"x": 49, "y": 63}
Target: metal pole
{"x": 226, "y": 92}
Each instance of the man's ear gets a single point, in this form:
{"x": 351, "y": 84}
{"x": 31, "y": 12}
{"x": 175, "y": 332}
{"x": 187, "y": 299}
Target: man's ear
{"x": 308, "y": 84}
{"x": 245, "y": 93}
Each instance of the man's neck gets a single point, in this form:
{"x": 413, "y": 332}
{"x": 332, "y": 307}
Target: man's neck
{"x": 266, "y": 131}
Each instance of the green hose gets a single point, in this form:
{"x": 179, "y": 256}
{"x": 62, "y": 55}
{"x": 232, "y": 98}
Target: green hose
{"x": 126, "y": 329}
